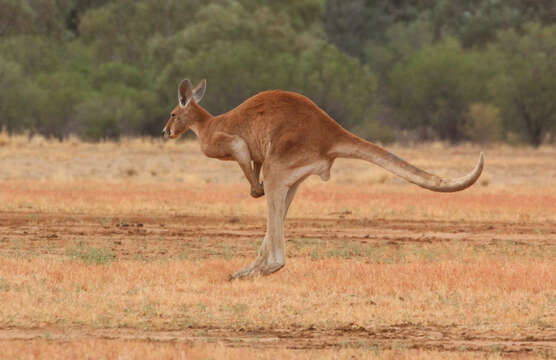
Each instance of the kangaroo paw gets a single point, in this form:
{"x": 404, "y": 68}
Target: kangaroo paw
{"x": 258, "y": 191}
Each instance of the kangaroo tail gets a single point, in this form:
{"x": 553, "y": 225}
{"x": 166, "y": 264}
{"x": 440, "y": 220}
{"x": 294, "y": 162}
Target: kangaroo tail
{"x": 357, "y": 148}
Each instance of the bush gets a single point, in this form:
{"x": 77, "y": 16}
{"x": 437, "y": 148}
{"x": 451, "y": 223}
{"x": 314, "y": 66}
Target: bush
{"x": 15, "y": 91}
{"x": 435, "y": 87}
{"x": 525, "y": 89}
{"x": 483, "y": 124}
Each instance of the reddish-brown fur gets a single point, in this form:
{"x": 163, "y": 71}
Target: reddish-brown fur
{"x": 290, "y": 138}
{"x": 271, "y": 122}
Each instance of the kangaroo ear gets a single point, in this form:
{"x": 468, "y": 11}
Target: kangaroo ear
{"x": 185, "y": 93}
{"x": 199, "y": 90}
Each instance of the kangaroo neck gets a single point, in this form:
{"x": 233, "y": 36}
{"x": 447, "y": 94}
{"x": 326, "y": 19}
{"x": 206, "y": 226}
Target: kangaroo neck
{"x": 202, "y": 118}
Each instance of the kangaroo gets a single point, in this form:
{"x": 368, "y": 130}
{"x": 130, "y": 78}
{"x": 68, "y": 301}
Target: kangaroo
{"x": 289, "y": 138}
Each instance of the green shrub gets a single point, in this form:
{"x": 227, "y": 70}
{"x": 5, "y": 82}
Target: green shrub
{"x": 483, "y": 124}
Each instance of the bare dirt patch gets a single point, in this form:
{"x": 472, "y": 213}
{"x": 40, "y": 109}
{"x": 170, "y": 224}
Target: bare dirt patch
{"x": 201, "y": 237}
{"x": 407, "y": 336}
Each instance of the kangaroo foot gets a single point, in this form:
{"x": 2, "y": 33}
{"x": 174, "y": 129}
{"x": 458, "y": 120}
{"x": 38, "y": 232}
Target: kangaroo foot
{"x": 257, "y": 268}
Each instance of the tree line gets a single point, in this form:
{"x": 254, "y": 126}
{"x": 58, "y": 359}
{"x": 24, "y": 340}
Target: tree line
{"x": 480, "y": 70}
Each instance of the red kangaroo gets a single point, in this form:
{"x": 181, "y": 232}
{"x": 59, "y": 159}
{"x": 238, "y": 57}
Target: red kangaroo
{"x": 290, "y": 138}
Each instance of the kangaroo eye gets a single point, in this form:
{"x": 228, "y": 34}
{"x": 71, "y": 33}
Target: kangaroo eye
{"x": 173, "y": 115}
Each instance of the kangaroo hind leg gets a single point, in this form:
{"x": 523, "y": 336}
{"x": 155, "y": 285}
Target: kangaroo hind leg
{"x": 280, "y": 188}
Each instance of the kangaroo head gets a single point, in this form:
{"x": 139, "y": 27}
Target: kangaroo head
{"x": 186, "y": 113}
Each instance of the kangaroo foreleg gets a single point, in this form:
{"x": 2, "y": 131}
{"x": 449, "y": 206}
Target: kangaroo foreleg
{"x": 237, "y": 149}
{"x": 257, "y": 170}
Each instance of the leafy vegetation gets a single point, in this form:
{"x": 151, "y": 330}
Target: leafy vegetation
{"x": 102, "y": 69}
{"x": 525, "y": 89}
{"x": 435, "y": 87}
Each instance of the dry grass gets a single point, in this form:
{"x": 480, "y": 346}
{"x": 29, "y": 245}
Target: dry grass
{"x": 117, "y": 349}
{"x": 162, "y": 177}
{"x": 466, "y": 271}
{"x": 385, "y": 201}
{"x": 154, "y": 161}
{"x": 508, "y": 296}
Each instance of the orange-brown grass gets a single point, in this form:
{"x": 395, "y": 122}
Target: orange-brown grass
{"x": 113, "y": 349}
{"x": 118, "y": 349}
{"x": 520, "y": 203}
{"x": 151, "y": 175}
{"x": 506, "y": 296}
{"x": 153, "y": 160}
{"x": 462, "y": 272}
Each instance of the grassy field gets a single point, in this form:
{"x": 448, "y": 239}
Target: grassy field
{"x": 124, "y": 250}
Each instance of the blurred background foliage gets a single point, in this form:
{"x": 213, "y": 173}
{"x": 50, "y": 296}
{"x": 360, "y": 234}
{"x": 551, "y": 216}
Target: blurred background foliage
{"x": 479, "y": 70}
